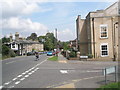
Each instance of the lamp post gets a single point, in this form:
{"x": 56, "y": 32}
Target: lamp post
{"x": 56, "y": 42}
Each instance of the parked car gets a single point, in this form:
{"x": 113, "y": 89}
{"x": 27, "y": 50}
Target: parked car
{"x": 50, "y": 53}
{"x": 30, "y": 53}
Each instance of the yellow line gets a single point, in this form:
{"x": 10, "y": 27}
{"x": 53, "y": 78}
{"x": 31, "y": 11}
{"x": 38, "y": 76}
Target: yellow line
{"x": 71, "y": 85}
{"x": 62, "y": 61}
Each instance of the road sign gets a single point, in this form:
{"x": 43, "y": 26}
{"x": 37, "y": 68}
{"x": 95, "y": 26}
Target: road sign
{"x": 109, "y": 70}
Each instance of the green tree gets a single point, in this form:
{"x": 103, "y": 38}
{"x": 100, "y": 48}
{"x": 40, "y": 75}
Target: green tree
{"x": 5, "y": 40}
{"x": 33, "y": 37}
{"x": 48, "y": 40}
{"x": 41, "y": 39}
{"x": 65, "y": 45}
{"x": 6, "y": 51}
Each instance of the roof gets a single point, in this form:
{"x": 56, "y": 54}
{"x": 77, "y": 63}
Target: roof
{"x": 26, "y": 42}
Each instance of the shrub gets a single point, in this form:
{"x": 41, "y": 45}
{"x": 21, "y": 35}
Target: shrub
{"x": 72, "y": 54}
{"x": 12, "y": 53}
{"x": 90, "y": 56}
{"x": 63, "y": 53}
{"x": 7, "y": 52}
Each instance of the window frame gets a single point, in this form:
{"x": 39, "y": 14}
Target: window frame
{"x": 104, "y": 25}
{"x": 104, "y": 50}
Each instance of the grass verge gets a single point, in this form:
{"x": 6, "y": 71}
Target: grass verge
{"x": 111, "y": 86}
{"x": 54, "y": 58}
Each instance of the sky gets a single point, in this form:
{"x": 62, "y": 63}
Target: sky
{"x": 40, "y": 17}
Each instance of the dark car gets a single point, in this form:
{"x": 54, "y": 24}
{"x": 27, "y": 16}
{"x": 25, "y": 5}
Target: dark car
{"x": 30, "y": 53}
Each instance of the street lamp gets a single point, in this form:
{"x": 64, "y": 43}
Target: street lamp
{"x": 56, "y": 42}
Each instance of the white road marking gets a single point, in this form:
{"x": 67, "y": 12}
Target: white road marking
{"x": 19, "y": 76}
{"x": 14, "y": 79}
{"x": 22, "y": 79}
{"x": 93, "y": 71}
{"x": 32, "y": 71}
{"x": 1, "y": 87}
{"x": 26, "y": 75}
{"x": 63, "y": 71}
{"x": 17, "y": 82}
{"x": 23, "y": 73}
{"x": 29, "y": 73}
{"x": 33, "y": 68}
{"x": 36, "y": 69}
{"x": 10, "y": 62}
{"x": 7, "y": 83}
{"x": 42, "y": 62}
{"x": 26, "y": 71}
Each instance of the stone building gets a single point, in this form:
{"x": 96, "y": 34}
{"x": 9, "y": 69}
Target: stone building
{"x": 22, "y": 46}
{"x": 97, "y": 35}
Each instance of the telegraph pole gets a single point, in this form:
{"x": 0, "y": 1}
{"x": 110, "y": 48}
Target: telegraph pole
{"x": 56, "y": 41}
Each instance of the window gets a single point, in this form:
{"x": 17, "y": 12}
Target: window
{"x": 103, "y": 31}
{"x": 104, "y": 49}
{"x": 13, "y": 45}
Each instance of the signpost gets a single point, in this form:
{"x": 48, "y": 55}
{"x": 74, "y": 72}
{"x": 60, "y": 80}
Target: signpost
{"x": 110, "y": 71}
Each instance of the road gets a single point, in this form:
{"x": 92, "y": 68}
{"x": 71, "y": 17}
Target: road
{"x": 25, "y": 72}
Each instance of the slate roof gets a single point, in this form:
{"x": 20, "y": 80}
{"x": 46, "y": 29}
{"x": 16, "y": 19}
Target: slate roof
{"x": 25, "y": 42}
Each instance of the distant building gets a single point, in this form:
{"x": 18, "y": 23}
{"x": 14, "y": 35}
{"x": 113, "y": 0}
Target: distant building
{"x": 98, "y": 34}
{"x": 22, "y": 46}
{"x": 73, "y": 44}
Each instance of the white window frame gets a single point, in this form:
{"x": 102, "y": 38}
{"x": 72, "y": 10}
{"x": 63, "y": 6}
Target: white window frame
{"x": 103, "y": 25}
{"x": 101, "y": 49}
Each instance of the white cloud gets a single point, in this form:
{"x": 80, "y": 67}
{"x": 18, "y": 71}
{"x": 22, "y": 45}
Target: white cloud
{"x": 13, "y": 8}
{"x": 23, "y": 25}
{"x": 65, "y": 35}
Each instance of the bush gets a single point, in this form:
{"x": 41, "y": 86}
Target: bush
{"x": 63, "y": 53}
{"x": 7, "y": 52}
{"x": 72, "y": 54}
{"x": 12, "y": 53}
{"x": 90, "y": 56}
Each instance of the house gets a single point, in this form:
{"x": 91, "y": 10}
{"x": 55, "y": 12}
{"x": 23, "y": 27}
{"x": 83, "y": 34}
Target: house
{"x": 97, "y": 35}
{"x": 22, "y": 46}
{"x": 73, "y": 44}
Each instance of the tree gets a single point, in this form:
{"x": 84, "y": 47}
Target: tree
{"x": 48, "y": 40}
{"x": 5, "y": 40}
{"x": 6, "y": 51}
{"x": 33, "y": 37}
{"x": 41, "y": 39}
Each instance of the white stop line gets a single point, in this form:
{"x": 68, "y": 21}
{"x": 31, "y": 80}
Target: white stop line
{"x": 63, "y": 71}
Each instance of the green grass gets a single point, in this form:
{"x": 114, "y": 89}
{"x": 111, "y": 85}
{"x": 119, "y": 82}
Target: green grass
{"x": 111, "y": 86}
{"x": 54, "y": 58}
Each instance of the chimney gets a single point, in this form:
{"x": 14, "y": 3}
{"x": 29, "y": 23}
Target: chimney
{"x": 79, "y": 16}
{"x": 11, "y": 37}
{"x": 16, "y": 36}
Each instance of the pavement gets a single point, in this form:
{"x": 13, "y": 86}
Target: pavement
{"x": 90, "y": 82}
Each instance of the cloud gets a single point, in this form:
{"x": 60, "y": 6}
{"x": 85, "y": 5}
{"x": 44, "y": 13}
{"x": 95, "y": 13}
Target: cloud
{"x": 13, "y": 8}
{"x": 65, "y": 35}
{"x": 23, "y": 25}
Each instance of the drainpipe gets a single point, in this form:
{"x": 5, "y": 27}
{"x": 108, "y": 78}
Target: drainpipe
{"x": 115, "y": 42}
{"x": 113, "y": 38}
{"x": 93, "y": 36}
